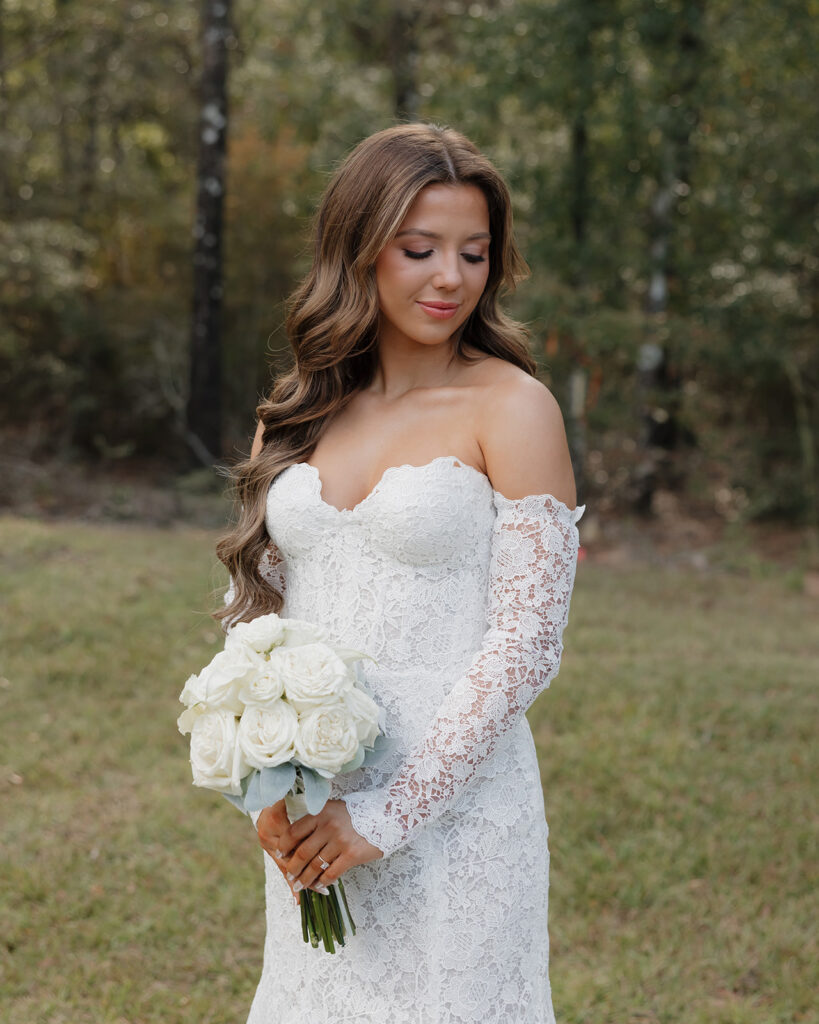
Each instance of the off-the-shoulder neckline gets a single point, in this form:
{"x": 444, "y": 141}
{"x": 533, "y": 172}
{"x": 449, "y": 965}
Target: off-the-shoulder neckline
{"x": 454, "y": 460}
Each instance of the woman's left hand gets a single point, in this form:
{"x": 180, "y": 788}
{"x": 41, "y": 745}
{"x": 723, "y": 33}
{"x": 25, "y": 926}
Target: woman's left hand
{"x": 327, "y": 837}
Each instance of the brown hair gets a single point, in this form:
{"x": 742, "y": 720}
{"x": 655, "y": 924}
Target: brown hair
{"x": 332, "y": 319}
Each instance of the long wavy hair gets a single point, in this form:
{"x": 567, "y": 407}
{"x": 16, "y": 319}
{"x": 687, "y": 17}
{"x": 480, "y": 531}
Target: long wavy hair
{"x": 332, "y": 319}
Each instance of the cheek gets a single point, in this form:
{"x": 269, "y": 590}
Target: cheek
{"x": 386, "y": 274}
{"x": 395, "y": 275}
{"x": 477, "y": 280}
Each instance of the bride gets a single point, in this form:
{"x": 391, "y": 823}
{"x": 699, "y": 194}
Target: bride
{"x": 410, "y": 489}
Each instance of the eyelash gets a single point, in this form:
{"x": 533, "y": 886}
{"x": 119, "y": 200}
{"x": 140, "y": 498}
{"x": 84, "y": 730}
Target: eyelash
{"x": 468, "y": 256}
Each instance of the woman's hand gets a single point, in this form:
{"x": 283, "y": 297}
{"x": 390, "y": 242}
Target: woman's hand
{"x": 300, "y": 849}
{"x": 271, "y": 824}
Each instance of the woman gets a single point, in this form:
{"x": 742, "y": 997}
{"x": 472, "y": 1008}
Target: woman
{"x": 410, "y": 488}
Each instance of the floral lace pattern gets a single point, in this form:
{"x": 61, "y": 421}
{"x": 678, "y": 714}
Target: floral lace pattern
{"x": 531, "y": 575}
{"x": 462, "y": 595}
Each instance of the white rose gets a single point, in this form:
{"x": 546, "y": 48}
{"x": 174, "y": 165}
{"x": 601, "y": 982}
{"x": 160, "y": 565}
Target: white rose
{"x": 192, "y": 692}
{"x": 216, "y": 759}
{"x": 264, "y": 689}
{"x": 298, "y": 632}
{"x": 327, "y": 738}
{"x": 260, "y": 634}
{"x": 188, "y": 717}
{"x": 366, "y": 714}
{"x": 267, "y": 735}
{"x": 218, "y": 684}
{"x": 312, "y": 674}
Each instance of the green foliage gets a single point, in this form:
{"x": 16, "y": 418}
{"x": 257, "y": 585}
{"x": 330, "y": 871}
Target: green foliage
{"x": 619, "y": 126}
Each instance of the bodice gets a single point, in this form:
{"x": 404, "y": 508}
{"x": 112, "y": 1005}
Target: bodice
{"x": 403, "y": 574}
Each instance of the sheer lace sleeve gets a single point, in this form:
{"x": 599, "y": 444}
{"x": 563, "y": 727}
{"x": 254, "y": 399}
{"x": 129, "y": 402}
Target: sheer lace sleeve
{"x": 531, "y": 576}
{"x": 272, "y": 570}
{"x": 272, "y": 567}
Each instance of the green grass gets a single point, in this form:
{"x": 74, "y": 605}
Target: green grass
{"x": 677, "y": 749}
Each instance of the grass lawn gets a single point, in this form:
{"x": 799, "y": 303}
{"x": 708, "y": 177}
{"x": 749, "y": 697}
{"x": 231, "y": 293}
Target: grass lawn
{"x": 677, "y": 749}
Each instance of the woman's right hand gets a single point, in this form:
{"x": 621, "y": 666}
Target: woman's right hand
{"x": 271, "y": 824}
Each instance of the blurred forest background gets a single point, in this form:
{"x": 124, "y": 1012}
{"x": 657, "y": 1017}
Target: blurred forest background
{"x": 662, "y": 156}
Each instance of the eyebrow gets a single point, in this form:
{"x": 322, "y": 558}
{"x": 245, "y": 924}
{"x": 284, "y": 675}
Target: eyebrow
{"x": 431, "y": 234}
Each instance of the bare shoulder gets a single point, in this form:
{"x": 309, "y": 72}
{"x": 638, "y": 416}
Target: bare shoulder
{"x": 522, "y": 435}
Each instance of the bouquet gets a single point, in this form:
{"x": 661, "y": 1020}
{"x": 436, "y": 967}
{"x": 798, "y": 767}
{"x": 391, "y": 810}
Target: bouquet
{"x": 278, "y": 713}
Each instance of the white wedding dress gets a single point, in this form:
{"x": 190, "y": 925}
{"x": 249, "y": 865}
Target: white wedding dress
{"x": 461, "y": 594}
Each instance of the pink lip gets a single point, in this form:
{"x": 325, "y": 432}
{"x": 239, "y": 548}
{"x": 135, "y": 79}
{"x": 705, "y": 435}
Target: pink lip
{"x": 440, "y": 310}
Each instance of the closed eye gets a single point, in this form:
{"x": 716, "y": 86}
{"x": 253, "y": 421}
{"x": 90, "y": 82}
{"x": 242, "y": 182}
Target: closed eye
{"x": 468, "y": 256}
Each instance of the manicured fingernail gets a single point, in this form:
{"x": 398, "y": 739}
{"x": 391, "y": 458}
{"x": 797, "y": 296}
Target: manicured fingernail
{"x": 277, "y": 853}
{"x": 296, "y": 900}
{"x": 289, "y": 877}
{"x": 297, "y": 887}
{"x": 322, "y": 889}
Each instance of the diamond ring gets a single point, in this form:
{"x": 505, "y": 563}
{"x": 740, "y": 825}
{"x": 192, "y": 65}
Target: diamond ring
{"x": 323, "y": 862}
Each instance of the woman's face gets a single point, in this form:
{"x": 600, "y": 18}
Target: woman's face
{"x": 433, "y": 272}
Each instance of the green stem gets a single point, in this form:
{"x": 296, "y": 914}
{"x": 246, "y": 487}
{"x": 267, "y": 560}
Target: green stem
{"x": 321, "y": 928}
{"x": 312, "y": 924}
{"x": 336, "y": 908}
{"x": 335, "y": 921}
{"x": 346, "y": 906}
{"x": 322, "y": 919}
{"x": 304, "y": 930}
{"x": 325, "y": 918}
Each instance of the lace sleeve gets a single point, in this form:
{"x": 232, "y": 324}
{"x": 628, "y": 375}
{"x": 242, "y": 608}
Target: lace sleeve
{"x": 230, "y": 593}
{"x": 531, "y": 575}
{"x": 271, "y": 569}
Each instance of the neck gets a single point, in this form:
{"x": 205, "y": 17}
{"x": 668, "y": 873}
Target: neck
{"x": 404, "y": 365}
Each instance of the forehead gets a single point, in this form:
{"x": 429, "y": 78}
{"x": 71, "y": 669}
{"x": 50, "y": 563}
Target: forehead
{"x": 453, "y": 204}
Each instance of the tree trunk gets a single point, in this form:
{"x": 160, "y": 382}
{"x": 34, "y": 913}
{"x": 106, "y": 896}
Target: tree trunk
{"x": 204, "y": 408}
{"x": 5, "y": 184}
{"x": 579, "y": 203}
{"x": 658, "y": 384}
{"x": 90, "y": 150}
{"x": 579, "y": 215}
{"x": 403, "y": 57}
{"x": 580, "y": 195}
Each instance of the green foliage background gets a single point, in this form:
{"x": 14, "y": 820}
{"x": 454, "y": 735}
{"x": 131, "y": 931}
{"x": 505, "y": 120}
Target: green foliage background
{"x": 707, "y": 103}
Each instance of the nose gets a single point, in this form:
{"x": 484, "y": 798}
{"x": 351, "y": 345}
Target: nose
{"x": 448, "y": 272}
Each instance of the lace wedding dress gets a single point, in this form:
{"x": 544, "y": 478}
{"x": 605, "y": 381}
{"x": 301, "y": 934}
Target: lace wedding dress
{"x": 462, "y": 595}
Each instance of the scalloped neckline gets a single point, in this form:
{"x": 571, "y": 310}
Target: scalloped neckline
{"x": 500, "y": 499}
{"x": 454, "y": 460}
